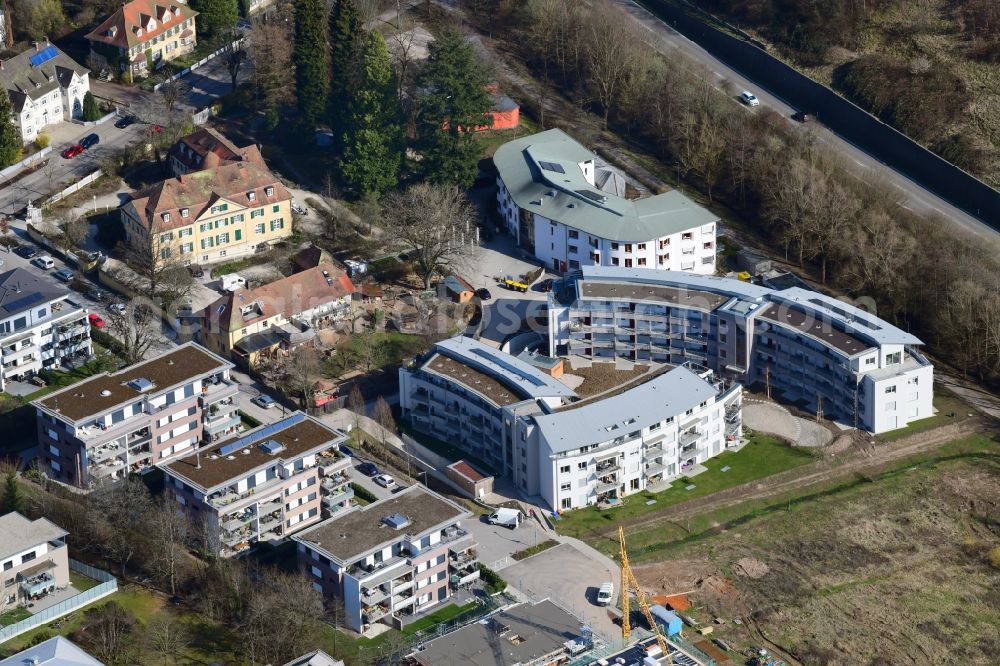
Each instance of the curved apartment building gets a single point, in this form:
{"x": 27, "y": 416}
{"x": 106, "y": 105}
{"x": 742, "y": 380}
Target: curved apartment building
{"x": 809, "y": 349}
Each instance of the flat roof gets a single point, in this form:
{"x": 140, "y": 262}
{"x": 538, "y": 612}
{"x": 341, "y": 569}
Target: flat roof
{"x": 518, "y": 635}
{"x": 818, "y": 327}
{"x": 350, "y": 534}
{"x": 704, "y": 300}
{"x": 18, "y": 534}
{"x": 86, "y": 399}
{"x": 497, "y": 376}
{"x": 297, "y": 434}
{"x": 668, "y": 394}
{"x": 542, "y": 174}
{"x": 467, "y": 470}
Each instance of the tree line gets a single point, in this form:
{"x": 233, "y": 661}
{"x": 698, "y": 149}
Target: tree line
{"x": 854, "y": 233}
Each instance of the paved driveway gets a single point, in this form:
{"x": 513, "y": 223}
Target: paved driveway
{"x": 497, "y": 543}
{"x": 571, "y": 579}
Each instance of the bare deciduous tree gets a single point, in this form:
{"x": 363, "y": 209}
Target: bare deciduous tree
{"x": 281, "y": 618}
{"x": 436, "y": 222}
{"x": 113, "y": 514}
{"x": 170, "y": 530}
{"x": 235, "y": 56}
{"x": 387, "y": 424}
{"x": 356, "y": 403}
{"x": 109, "y": 633}
{"x": 137, "y": 327}
{"x": 301, "y": 370}
{"x": 168, "y": 638}
{"x": 609, "y": 51}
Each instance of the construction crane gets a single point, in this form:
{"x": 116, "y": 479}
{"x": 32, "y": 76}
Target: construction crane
{"x": 629, "y": 583}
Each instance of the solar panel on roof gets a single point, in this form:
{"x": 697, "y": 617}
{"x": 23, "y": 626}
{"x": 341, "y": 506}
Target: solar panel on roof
{"x": 24, "y": 301}
{"x": 552, "y": 166}
{"x": 43, "y": 56}
{"x": 262, "y": 433}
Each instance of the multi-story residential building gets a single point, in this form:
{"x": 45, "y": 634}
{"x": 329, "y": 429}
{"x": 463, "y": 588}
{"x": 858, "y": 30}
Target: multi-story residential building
{"x": 812, "y": 350}
{"x": 562, "y": 204}
{"x": 34, "y": 558}
{"x": 209, "y": 215}
{"x": 45, "y": 87}
{"x": 570, "y": 452}
{"x": 468, "y": 392}
{"x": 56, "y": 651}
{"x": 205, "y": 148}
{"x": 142, "y": 35}
{"x": 115, "y": 423}
{"x": 395, "y": 557}
{"x": 264, "y": 485}
{"x": 248, "y": 324}
{"x": 41, "y": 327}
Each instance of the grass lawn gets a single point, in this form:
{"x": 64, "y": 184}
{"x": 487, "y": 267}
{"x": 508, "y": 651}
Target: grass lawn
{"x": 762, "y": 457}
{"x": 394, "y": 347}
{"x": 13, "y": 616}
{"x": 81, "y": 582}
{"x": 444, "y": 614}
{"x": 945, "y": 402}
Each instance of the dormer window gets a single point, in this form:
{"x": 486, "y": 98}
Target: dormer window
{"x": 251, "y": 196}
{"x": 184, "y": 212}
{"x": 112, "y": 31}
{"x": 269, "y": 191}
{"x": 138, "y": 32}
{"x": 166, "y": 217}
{"x": 151, "y": 25}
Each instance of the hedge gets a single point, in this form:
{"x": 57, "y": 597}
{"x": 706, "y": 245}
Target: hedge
{"x": 363, "y": 493}
{"x": 494, "y": 583}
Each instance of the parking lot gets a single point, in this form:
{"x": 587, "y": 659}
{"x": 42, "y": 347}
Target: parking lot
{"x": 571, "y": 579}
{"x": 498, "y": 543}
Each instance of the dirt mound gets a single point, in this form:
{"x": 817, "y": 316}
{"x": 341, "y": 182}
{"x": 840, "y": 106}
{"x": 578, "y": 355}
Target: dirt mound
{"x": 751, "y": 567}
{"x": 672, "y": 576}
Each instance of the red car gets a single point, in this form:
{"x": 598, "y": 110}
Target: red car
{"x": 153, "y": 129}
{"x": 72, "y": 151}
{"x": 95, "y": 320}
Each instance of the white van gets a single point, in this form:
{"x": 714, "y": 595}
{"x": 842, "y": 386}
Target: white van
{"x": 507, "y": 517}
{"x": 45, "y": 262}
{"x": 605, "y": 594}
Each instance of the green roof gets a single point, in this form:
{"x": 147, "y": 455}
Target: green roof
{"x": 543, "y": 174}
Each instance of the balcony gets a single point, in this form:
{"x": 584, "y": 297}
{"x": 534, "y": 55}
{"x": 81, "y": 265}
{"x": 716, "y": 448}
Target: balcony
{"x": 689, "y": 437}
{"x": 336, "y": 499}
{"x": 235, "y": 521}
{"x": 220, "y": 423}
{"x": 655, "y": 468}
{"x": 606, "y": 487}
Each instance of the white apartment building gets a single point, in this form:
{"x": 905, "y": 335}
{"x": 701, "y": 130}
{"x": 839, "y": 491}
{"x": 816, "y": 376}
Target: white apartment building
{"x": 522, "y": 423}
{"x": 808, "y": 349}
{"x": 561, "y": 203}
{"x": 40, "y": 327}
{"x": 45, "y": 86}
{"x": 113, "y": 424}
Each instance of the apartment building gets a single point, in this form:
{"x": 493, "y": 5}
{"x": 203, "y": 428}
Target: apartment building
{"x": 210, "y": 215}
{"x": 41, "y": 327}
{"x": 45, "y": 87}
{"x": 56, "y": 651}
{"x": 561, "y": 203}
{"x": 395, "y": 557}
{"x": 34, "y": 558}
{"x": 206, "y": 148}
{"x": 142, "y": 35}
{"x": 250, "y": 324}
{"x": 467, "y": 393}
{"x": 811, "y": 350}
{"x": 113, "y": 424}
{"x": 264, "y": 485}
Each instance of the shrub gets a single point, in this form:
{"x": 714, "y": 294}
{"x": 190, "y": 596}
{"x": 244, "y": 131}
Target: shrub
{"x": 90, "y": 110}
{"x": 363, "y": 493}
{"x": 494, "y": 583}
{"x": 42, "y": 141}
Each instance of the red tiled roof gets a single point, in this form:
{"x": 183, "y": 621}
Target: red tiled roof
{"x": 199, "y": 190}
{"x": 206, "y": 148}
{"x": 128, "y": 24}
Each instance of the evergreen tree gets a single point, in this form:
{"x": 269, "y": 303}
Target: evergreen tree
{"x": 13, "y": 500}
{"x": 347, "y": 44}
{"x": 10, "y": 136}
{"x": 216, "y": 17}
{"x": 373, "y": 135}
{"x": 312, "y": 77}
{"x": 90, "y": 109}
{"x": 454, "y": 101}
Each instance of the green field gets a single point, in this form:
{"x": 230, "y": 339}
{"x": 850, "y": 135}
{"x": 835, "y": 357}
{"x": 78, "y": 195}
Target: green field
{"x": 762, "y": 457}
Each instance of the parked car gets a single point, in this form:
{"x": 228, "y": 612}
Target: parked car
{"x": 484, "y": 294}
{"x": 64, "y": 274}
{"x": 346, "y": 450}
{"x": 506, "y": 517}
{"x": 802, "y": 116}
{"x": 95, "y": 320}
{"x": 90, "y": 141}
{"x": 384, "y": 480}
{"x": 605, "y": 594}
{"x": 368, "y": 469}
{"x": 45, "y": 262}
{"x": 749, "y": 98}
{"x": 124, "y": 122}
{"x": 118, "y": 306}
{"x": 26, "y": 251}
{"x": 264, "y": 401}
{"x": 72, "y": 151}
{"x": 96, "y": 295}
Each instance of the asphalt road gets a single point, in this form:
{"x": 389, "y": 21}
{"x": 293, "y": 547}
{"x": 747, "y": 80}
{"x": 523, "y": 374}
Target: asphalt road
{"x": 666, "y": 40}
{"x": 59, "y": 172}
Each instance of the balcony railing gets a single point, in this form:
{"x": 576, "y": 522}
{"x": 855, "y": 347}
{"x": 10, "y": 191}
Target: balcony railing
{"x": 689, "y": 438}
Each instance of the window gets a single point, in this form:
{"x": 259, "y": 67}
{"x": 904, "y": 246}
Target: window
{"x": 564, "y": 469}
{"x": 257, "y": 213}
{"x": 614, "y": 261}
{"x": 165, "y": 253}
{"x": 663, "y": 258}
{"x": 707, "y": 246}
{"x": 167, "y": 237}
{"x": 642, "y": 261}
{"x": 628, "y": 263}
{"x": 277, "y": 224}
{"x": 628, "y": 247}
{"x": 276, "y": 208}
{"x": 573, "y": 249}
{"x": 890, "y": 389}
{"x": 182, "y": 233}
{"x": 687, "y": 236}
{"x": 238, "y": 234}
{"x": 222, "y": 239}
{"x": 20, "y": 322}
{"x": 573, "y": 233}
{"x": 581, "y": 465}
{"x": 269, "y": 191}
{"x": 574, "y": 264}
{"x": 41, "y": 313}
{"x": 566, "y": 503}
{"x": 252, "y": 196}
{"x": 187, "y": 248}
{"x": 566, "y": 486}
{"x": 614, "y": 246}
{"x": 166, "y": 217}
{"x": 641, "y": 246}
{"x": 893, "y": 359}
{"x": 259, "y": 228}
{"x": 707, "y": 260}
{"x": 595, "y": 257}
{"x": 27, "y": 557}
